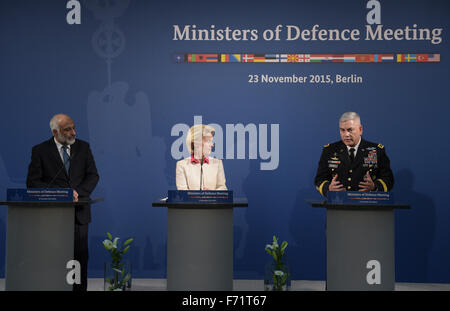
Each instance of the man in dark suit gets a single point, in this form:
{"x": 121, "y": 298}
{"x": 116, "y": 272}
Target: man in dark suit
{"x": 66, "y": 162}
{"x": 353, "y": 163}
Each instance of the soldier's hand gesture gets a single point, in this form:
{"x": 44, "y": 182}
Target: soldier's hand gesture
{"x": 335, "y": 185}
{"x": 367, "y": 184}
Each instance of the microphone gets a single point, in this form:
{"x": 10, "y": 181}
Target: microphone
{"x": 201, "y": 171}
{"x": 59, "y": 172}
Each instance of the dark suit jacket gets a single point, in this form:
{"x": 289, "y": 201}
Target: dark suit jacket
{"x": 371, "y": 157}
{"x": 46, "y": 165}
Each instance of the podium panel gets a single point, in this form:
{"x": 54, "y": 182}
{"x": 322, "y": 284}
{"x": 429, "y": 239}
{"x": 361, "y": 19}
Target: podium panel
{"x": 200, "y": 245}
{"x": 200, "y": 250}
{"x": 360, "y": 246}
{"x": 39, "y": 243}
{"x": 359, "y": 241}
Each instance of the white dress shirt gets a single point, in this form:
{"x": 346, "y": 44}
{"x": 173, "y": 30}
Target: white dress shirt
{"x": 356, "y": 148}
{"x": 188, "y": 175}
{"x": 60, "y": 149}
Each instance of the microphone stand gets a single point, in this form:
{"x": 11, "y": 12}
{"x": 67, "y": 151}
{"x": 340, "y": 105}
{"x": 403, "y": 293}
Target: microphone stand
{"x": 201, "y": 172}
{"x": 59, "y": 171}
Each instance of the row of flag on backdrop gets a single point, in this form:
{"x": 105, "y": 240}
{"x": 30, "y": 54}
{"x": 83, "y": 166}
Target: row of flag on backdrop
{"x": 306, "y": 58}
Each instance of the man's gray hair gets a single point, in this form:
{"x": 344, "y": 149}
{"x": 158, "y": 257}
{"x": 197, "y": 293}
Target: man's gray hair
{"x": 349, "y": 116}
{"x": 54, "y": 122}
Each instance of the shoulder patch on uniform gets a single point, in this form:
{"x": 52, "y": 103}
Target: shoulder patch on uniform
{"x": 327, "y": 145}
{"x": 380, "y": 146}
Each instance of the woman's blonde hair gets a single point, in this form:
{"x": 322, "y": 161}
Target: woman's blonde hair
{"x": 196, "y": 134}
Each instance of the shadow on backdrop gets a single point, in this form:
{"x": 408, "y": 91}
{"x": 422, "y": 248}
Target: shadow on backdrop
{"x": 415, "y": 230}
{"x": 307, "y": 228}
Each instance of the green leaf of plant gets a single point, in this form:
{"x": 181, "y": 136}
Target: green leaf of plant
{"x": 109, "y": 236}
{"x": 274, "y": 255}
{"x": 126, "y": 249}
{"x": 127, "y": 278}
{"x": 283, "y": 246}
{"x": 128, "y": 242}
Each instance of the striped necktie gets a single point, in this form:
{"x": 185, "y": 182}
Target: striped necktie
{"x": 66, "y": 158}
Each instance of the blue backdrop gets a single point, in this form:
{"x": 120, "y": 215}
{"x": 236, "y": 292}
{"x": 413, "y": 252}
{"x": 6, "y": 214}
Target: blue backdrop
{"x": 114, "y": 75}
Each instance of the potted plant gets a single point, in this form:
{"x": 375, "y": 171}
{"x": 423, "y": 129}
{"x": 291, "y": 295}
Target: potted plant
{"x": 277, "y": 276}
{"x": 118, "y": 271}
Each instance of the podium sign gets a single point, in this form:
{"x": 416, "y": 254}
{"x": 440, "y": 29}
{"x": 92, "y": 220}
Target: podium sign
{"x": 360, "y": 197}
{"x": 40, "y": 195}
{"x": 200, "y": 196}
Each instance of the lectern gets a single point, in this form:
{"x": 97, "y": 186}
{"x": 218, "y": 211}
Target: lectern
{"x": 39, "y": 244}
{"x": 200, "y": 245}
{"x": 360, "y": 246}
